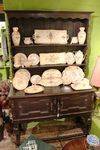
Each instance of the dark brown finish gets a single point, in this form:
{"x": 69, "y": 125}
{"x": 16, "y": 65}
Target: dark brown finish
{"x": 54, "y": 102}
{"x": 77, "y": 144}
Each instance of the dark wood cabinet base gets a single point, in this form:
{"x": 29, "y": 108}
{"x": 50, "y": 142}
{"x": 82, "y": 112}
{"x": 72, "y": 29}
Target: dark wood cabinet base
{"x": 63, "y": 133}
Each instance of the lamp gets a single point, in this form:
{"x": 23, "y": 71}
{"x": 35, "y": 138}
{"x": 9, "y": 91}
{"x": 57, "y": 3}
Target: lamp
{"x": 95, "y": 80}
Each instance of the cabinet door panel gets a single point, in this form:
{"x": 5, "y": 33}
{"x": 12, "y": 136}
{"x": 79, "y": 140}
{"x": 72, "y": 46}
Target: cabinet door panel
{"x": 33, "y": 108}
{"x": 76, "y": 103}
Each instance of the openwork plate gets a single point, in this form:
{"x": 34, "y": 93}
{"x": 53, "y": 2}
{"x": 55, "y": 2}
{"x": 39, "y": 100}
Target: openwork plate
{"x": 19, "y": 60}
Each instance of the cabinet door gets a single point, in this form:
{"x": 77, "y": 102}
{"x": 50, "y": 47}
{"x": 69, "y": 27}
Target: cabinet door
{"x": 33, "y": 108}
{"x": 77, "y": 103}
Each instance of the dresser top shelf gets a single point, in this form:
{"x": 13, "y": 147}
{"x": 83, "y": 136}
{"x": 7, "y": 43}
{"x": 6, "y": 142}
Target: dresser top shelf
{"x": 48, "y": 91}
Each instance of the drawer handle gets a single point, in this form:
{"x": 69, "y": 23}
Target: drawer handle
{"x": 86, "y": 99}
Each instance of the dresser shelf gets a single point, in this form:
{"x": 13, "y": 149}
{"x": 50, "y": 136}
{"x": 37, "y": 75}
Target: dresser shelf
{"x": 50, "y": 66}
{"x": 46, "y": 45}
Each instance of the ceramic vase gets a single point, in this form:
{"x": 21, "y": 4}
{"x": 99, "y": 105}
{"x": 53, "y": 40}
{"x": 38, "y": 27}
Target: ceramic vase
{"x": 16, "y": 36}
{"x": 82, "y": 35}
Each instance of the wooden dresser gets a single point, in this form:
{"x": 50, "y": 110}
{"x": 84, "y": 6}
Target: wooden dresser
{"x": 53, "y": 102}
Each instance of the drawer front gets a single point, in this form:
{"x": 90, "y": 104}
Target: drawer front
{"x": 76, "y": 103}
{"x": 33, "y": 108}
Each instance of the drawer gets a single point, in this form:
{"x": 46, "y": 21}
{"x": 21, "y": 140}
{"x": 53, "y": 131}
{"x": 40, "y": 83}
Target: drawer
{"x": 33, "y": 108}
{"x": 76, "y": 103}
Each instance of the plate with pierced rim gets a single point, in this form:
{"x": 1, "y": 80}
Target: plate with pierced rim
{"x": 33, "y": 59}
{"x": 34, "y": 89}
{"x": 19, "y": 60}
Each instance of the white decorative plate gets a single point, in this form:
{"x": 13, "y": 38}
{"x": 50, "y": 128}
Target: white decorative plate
{"x": 51, "y": 82}
{"x": 72, "y": 74}
{"x": 23, "y": 74}
{"x": 82, "y": 85}
{"x": 35, "y": 79}
{"x": 19, "y": 83}
{"x": 52, "y": 58}
{"x": 70, "y": 59}
{"x": 52, "y": 73}
{"x": 19, "y": 60}
{"x": 33, "y": 59}
{"x": 79, "y": 57}
{"x": 34, "y": 89}
{"x": 77, "y": 74}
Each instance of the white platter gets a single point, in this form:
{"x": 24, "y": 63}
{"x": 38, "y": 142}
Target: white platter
{"x": 82, "y": 85}
{"x": 34, "y": 89}
{"x": 51, "y": 82}
{"x": 50, "y": 36}
{"x": 51, "y": 73}
{"x": 52, "y": 58}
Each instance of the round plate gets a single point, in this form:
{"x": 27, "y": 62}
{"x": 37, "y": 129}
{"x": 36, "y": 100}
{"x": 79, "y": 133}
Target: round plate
{"x": 19, "y": 84}
{"x": 23, "y": 73}
{"x": 35, "y": 79}
{"x": 72, "y": 74}
{"x": 34, "y": 89}
{"x": 19, "y": 60}
{"x": 51, "y": 73}
{"x": 33, "y": 59}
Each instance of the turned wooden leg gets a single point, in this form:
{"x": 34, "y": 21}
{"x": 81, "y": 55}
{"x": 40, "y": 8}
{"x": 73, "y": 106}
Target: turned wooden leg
{"x": 17, "y": 133}
{"x": 87, "y": 120}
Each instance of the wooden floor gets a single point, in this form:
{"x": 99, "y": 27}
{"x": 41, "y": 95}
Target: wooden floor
{"x": 7, "y": 144}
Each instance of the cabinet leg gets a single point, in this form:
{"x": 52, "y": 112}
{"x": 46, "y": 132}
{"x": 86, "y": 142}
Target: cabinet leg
{"x": 17, "y": 133}
{"x": 87, "y": 120}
